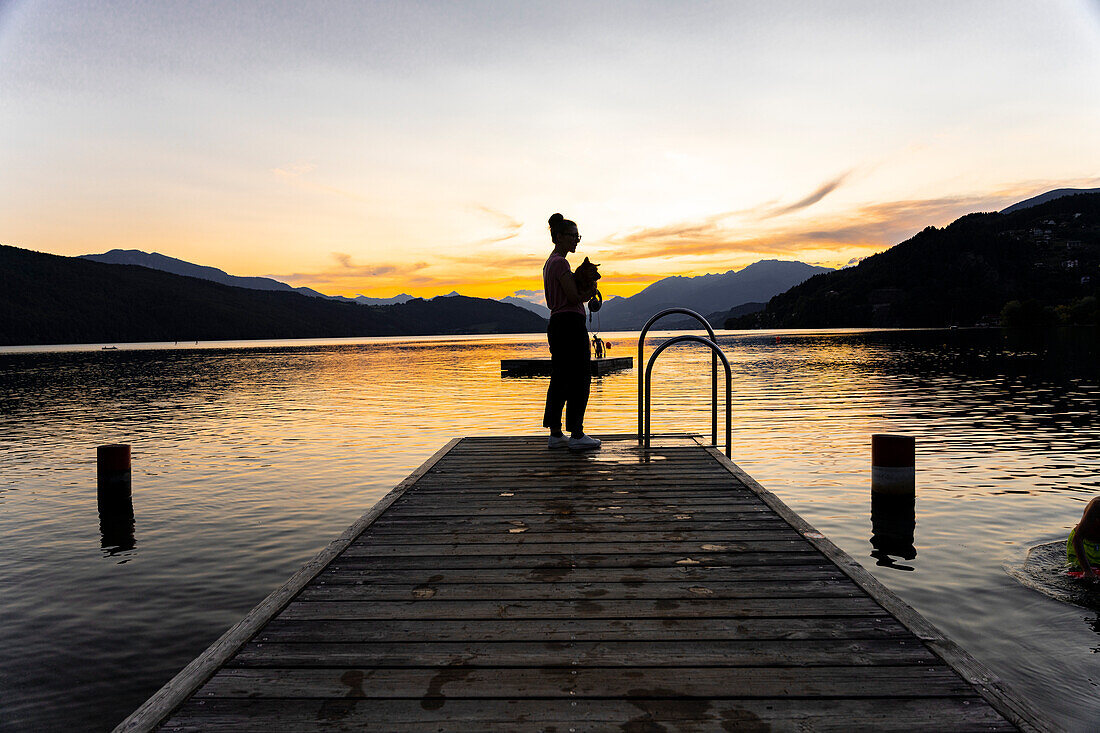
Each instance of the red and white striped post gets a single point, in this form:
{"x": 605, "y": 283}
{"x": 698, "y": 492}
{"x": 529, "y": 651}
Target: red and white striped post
{"x": 893, "y": 464}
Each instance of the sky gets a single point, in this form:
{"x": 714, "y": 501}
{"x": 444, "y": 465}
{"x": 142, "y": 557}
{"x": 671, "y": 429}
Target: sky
{"x": 384, "y": 147}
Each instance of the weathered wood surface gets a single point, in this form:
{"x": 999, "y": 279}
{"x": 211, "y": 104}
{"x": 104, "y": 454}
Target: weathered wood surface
{"x": 507, "y": 587}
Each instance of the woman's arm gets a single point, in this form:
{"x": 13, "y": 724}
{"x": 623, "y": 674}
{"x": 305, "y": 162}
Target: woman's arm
{"x": 569, "y": 285}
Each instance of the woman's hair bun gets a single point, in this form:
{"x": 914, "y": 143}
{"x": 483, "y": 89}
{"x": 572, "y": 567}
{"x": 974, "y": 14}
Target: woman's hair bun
{"x": 556, "y": 219}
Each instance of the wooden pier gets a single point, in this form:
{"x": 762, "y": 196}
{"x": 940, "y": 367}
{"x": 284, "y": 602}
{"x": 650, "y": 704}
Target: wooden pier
{"x": 541, "y": 367}
{"x": 504, "y": 586}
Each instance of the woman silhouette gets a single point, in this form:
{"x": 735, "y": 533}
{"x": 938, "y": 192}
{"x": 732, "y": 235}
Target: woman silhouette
{"x": 570, "y": 372}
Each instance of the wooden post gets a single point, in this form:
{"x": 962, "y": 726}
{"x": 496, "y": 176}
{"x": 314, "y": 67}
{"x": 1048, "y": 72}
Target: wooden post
{"x": 893, "y": 525}
{"x": 893, "y": 464}
{"x": 116, "y": 507}
{"x": 116, "y": 524}
{"x": 113, "y": 471}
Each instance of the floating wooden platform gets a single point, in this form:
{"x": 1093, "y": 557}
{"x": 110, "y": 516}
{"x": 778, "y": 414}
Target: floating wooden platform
{"x": 504, "y": 586}
{"x": 529, "y": 367}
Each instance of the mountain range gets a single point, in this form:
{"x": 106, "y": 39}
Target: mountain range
{"x": 542, "y": 310}
{"x": 1037, "y": 262}
{"x": 48, "y": 299}
{"x": 705, "y": 294}
{"x": 1034, "y": 263}
{"x": 711, "y": 294}
{"x": 1048, "y": 196}
{"x": 157, "y": 261}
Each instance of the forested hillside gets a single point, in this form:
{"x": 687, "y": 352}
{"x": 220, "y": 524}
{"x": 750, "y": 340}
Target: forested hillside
{"x": 47, "y": 299}
{"x": 1034, "y": 266}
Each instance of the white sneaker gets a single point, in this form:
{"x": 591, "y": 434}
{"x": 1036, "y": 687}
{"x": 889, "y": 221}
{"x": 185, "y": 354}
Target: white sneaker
{"x": 585, "y": 442}
{"x": 558, "y": 441}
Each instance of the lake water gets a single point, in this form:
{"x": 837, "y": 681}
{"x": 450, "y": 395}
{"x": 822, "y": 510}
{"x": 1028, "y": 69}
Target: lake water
{"x": 250, "y": 457}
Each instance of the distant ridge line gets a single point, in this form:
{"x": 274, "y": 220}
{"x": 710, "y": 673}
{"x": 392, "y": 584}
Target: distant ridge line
{"x": 1048, "y": 196}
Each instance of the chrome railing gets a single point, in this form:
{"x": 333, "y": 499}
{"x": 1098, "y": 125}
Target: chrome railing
{"x": 717, "y": 353}
{"x": 644, "y": 390}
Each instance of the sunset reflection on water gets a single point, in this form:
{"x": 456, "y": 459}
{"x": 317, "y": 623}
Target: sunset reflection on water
{"x": 248, "y": 458}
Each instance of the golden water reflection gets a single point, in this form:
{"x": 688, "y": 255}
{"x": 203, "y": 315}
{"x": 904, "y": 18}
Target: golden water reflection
{"x": 248, "y": 458}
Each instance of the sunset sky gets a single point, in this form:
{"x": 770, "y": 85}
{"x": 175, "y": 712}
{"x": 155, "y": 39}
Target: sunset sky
{"x": 419, "y": 147}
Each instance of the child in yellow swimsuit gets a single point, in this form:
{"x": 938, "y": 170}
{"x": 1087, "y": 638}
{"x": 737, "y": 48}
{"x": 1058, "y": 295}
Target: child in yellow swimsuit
{"x": 1083, "y": 545}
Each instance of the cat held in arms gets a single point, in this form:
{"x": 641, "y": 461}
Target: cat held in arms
{"x": 586, "y": 276}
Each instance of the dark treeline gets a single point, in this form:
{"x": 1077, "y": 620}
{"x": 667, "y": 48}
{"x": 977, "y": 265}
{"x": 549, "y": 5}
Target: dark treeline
{"x": 1039, "y": 265}
{"x": 47, "y": 299}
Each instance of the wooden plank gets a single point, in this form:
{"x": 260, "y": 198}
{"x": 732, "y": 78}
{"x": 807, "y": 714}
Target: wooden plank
{"x": 827, "y": 715}
{"x": 558, "y": 629}
{"x": 571, "y": 520}
{"x": 602, "y": 522}
{"x": 542, "y": 455}
{"x": 755, "y": 653}
{"x": 605, "y": 609}
{"x": 566, "y": 487}
{"x": 511, "y": 495}
{"x": 595, "y": 591}
{"x": 575, "y": 472}
{"x": 626, "y": 586}
{"x": 541, "y": 492}
{"x": 593, "y": 509}
{"x": 521, "y": 534}
{"x": 584, "y": 465}
{"x": 437, "y": 533}
{"x": 992, "y": 689}
{"x": 428, "y": 530}
{"x": 520, "y": 547}
{"x": 669, "y": 507}
{"x": 436, "y": 576}
{"x": 620, "y": 442}
{"x": 568, "y": 477}
{"x": 176, "y": 690}
{"x": 608, "y": 460}
{"x": 628, "y": 452}
{"x": 555, "y": 566}
{"x": 580, "y": 682}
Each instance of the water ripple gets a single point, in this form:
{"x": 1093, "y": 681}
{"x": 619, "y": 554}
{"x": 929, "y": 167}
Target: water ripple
{"x": 248, "y": 458}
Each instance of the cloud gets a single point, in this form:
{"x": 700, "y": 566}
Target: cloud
{"x": 346, "y": 269}
{"x": 824, "y": 190}
{"x": 872, "y": 226}
{"x": 425, "y": 281}
{"x": 495, "y": 240}
{"x": 508, "y": 222}
{"x": 511, "y": 226}
{"x": 483, "y": 262}
{"x": 294, "y": 171}
{"x": 633, "y": 278}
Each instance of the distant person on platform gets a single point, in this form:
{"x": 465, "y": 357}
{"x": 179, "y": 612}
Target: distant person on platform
{"x": 1083, "y": 545}
{"x": 598, "y": 346}
{"x": 570, "y": 370}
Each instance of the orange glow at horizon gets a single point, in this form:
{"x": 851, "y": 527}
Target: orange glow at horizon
{"x": 384, "y": 148}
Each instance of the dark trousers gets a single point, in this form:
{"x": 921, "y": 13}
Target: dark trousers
{"x": 570, "y": 372}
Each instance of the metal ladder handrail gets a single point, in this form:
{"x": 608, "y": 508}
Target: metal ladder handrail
{"x": 713, "y": 369}
{"x": 717, "y": 352}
